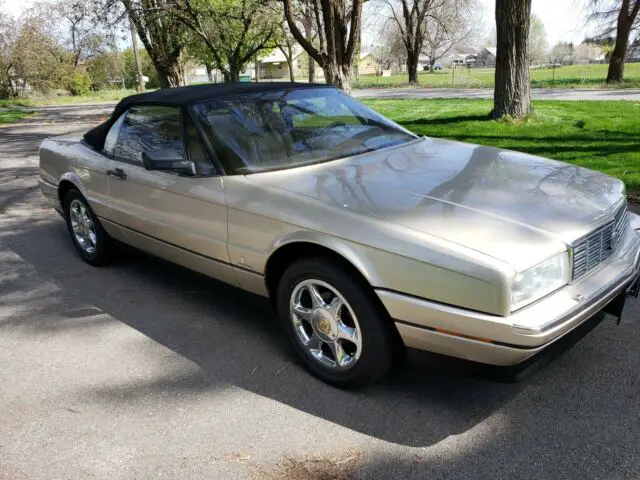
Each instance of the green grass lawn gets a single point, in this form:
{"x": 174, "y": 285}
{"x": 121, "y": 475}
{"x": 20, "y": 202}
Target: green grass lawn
{"x": 569, "y": 76}
{"x": 50, "y": 100}
{"x": 603, "y": 136}
{"x": 10, "y": 116}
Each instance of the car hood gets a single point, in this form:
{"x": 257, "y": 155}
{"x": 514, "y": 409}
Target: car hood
{"x": 512, "y": 206}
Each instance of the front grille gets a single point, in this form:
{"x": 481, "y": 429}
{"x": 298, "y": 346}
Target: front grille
{"x": 595, "y": 248}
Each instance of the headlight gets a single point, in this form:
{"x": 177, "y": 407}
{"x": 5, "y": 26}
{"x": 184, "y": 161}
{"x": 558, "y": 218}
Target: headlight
{"x": 535, "y": 283}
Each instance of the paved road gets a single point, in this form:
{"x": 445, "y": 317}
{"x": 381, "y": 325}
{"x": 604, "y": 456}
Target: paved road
{"x": 537, "y": 93}
{"x": 144, "y": 370}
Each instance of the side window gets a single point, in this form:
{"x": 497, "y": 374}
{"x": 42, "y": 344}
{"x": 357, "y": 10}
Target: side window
{"x": 149, "y": 129}
{"x": 112, "y": 136}
{"x": 196, "y": 151}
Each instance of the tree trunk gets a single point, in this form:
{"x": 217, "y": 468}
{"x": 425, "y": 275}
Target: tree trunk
{"x": 292, "y": 75}
{"x": 171, "y": 76}
{"x": 512, "y": 85}
{"x": 338, "y": 76}
{"x": 232, "y": 75}
{"x": 312, "y": 69}
{"x": 287, "y": 51}
{"x": 307, "y": 26}
{"x": 209, "y": 72}
{"x": 170, "y": 70}
{"x": 175, "y": 75}
{"x": 616, "y": 62}
{"x": 164, "y": 46}
{"x": 412, "y": 67}
{"x": 340, "y": 27}
{"x": 356, "y": 59}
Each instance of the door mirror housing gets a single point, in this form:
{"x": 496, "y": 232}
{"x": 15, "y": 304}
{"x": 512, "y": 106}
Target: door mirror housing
{"x": 167, "y": 160}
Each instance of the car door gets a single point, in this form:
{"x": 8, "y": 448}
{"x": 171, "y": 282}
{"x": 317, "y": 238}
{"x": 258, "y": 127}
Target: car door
{"x": 179, "y": 217}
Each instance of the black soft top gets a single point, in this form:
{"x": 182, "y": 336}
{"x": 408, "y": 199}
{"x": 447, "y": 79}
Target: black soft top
{"x": 184, "y": 96}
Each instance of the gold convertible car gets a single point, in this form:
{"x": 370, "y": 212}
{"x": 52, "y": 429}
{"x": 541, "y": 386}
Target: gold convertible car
{"x": 366, "y": 237}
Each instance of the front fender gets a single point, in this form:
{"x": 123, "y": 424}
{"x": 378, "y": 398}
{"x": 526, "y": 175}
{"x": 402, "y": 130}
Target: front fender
{"x": 389, "y": 271}
{"x": 357, "y": 255}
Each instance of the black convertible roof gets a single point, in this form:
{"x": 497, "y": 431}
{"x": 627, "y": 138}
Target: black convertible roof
{"x": 184, "y": 96}
{"x": 196, "y": 93}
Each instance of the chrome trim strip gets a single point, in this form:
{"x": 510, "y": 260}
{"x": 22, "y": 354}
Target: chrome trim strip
{"x": 468, "y": 337}
{"x": 186, "y": 250}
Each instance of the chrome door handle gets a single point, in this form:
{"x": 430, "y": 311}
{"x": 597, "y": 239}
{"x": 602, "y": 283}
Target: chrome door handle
{"x": 117, "y": 172}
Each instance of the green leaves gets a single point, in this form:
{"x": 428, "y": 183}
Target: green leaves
{"x": 233, "y": 31}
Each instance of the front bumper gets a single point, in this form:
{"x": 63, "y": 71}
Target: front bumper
{"x": 498, "y": 340}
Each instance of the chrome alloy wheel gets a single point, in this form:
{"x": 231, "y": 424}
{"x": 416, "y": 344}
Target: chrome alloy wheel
{"x": 83, "y": 228}
{"x": 325, "y": 325}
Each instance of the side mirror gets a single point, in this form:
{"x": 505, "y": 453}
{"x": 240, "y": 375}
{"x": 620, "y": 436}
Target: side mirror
{"x": 167, "y": 160}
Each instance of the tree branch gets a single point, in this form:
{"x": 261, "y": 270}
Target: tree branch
{"x": 356, "y": 16}
{"x": 295, "y": 31}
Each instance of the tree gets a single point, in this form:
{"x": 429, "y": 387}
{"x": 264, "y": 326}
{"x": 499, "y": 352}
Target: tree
{"x": 107, "y": 69}
{"x": 512, "y": 94}
{"x": 199, "y": 52}
{"x": 389, "y": 51}
{"x": 338, "y": 26}
{"x": 7, "y": 40}
{"x": 304, "y": 14}
{"x": 604, "y": 43}
{"x": 449, "y": 25}
{"x": 622, "y": 17}
{"x": 562, "y": 53}
{"x": 491, "y": 37}
{"x": 48, "y": 48}
{"x": 38, "y": 57}
{"x": 234, "y": 31}
{"x": 410, "y": 17}
{"x": 537, "y": 44}
{"x": 77, "y": 15}
{"x": 131, "y": 69}
{"x": 163, "y": 36}
{"x": 286, "y": 43}
{"x": 587, "y": 52}
{"x": 307, "y": 17}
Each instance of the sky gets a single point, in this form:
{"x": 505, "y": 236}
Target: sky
{"x": 15, "y": 7}
{"x": 564, "y": 20}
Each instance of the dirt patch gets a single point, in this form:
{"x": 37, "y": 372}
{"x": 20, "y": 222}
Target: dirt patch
{"x": 315, "y": 468}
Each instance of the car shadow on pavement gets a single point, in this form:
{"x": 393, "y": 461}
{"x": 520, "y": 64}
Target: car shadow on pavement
{"x": 234, "y": 338}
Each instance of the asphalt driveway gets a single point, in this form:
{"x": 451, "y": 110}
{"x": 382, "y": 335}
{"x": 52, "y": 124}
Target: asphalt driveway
{"x": 144, "y": 370}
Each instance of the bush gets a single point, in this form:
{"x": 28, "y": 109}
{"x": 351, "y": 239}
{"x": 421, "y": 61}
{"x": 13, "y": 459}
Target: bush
{"x": 79, "y": 83}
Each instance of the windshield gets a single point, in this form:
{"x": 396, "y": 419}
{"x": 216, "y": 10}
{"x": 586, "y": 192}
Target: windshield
{"x": 289, "y": 128}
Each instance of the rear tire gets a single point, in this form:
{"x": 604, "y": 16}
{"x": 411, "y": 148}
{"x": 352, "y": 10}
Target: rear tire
{"x": 344, "y": 336}
{"x": 91, "y": 241}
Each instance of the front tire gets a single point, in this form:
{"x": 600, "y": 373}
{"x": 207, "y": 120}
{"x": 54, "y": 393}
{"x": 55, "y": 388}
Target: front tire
{"x": 339, "y": 330}
{"x": 91, "y": 241}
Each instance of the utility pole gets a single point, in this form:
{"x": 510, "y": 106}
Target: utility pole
{"x": 136, "y": 54}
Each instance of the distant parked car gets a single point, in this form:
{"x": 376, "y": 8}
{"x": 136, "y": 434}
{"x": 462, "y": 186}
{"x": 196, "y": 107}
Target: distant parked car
{"x": 365, "y": 236}
{"x": 437, "y": 66}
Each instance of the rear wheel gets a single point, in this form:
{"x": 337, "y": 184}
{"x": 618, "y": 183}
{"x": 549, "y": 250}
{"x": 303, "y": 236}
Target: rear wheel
{"x": 88, "y": 236}
{"x": 340, "y": 332}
